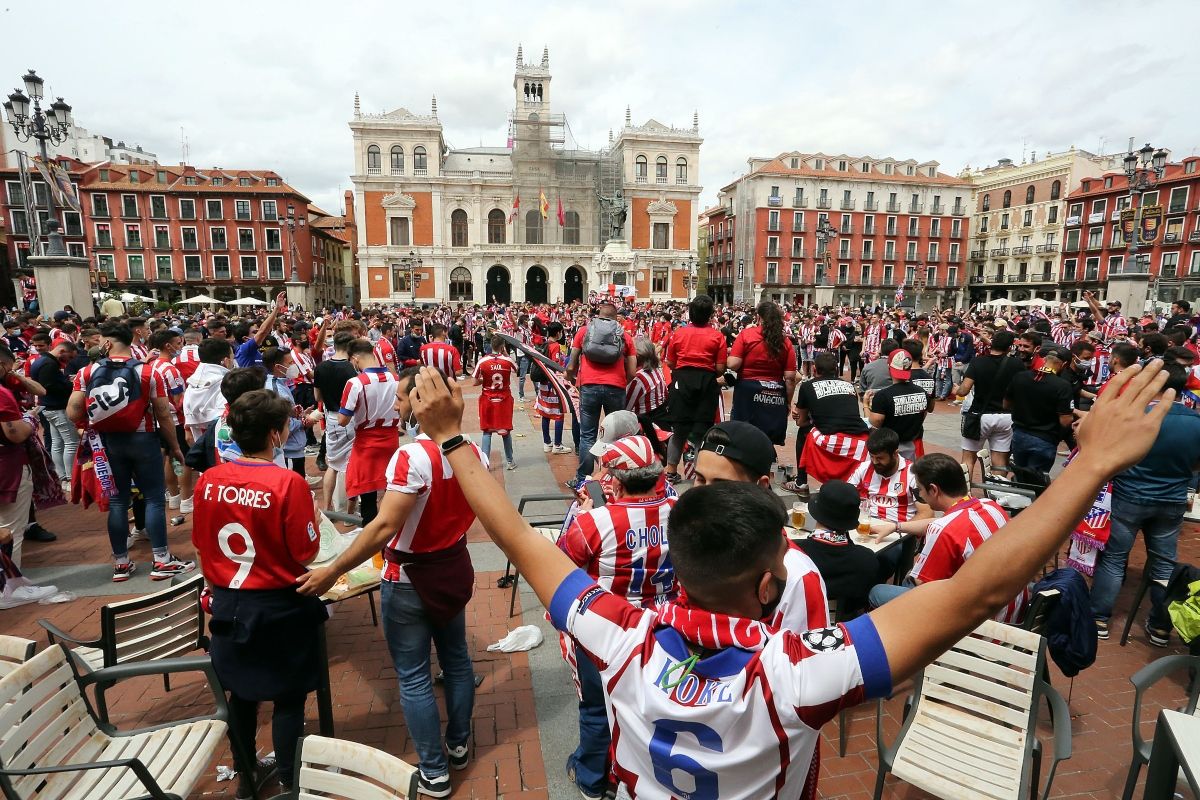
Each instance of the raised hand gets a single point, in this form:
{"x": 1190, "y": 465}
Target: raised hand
{"x": 437, "y": 406}
{"x": 1119, "y": 430}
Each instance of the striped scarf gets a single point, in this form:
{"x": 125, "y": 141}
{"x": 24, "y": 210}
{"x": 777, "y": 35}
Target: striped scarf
{"x": 711, "y": 629}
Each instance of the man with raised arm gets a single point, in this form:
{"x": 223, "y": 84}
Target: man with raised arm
{"x": 706, "y": 701}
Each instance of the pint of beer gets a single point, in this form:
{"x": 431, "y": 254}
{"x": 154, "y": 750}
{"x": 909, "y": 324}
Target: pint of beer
{"x": 799, "y": 515}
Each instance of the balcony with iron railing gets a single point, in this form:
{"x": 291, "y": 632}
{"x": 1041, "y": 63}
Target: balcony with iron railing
{"x": 1194, "y": 236}
{"x": 958, "y": 210}
{"x": 798, "y": 226}
{"x": 773, "y": 227}
{"x": 889, "y": 255}
{"x": 1071, "y": 248}
{"x": 1095, "y": 219}
{"x": 1000, "y": 251}
{"x": 870, "y": 230}
{"x": 1094, "y": 245}
{"x": 979, "y": 255}
{"x": 826, "y": 203}
{"x": 798, "y": 252}
{"x": 937, "y": 208}
{"x": 933, "y": 258}
{"x": 916, "y": 208}
{"x": 847, "y": 205}
{"x": 893, "y": 208}
{"x": 799, "y": 202}
{"x": 869, "y": 255}
{"x": 870, "y": 205}
{"x": 846, "y": 230}
{"x": 1092, "y": 275}
{"x": 1023, "y": 250}
{"x": 1172, "y": 238}
{"x": 911, "y": 257}
{"x": 772, "y": 252}
{"x": 774, "y": 201}
{"x": 954, "y": 257}
{"x": 1047, "y": 248}
{"x": 891, "y": 230}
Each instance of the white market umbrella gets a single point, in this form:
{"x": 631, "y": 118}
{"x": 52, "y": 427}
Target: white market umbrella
{"x": 247, "y": 301}
{"x": 1079, "y": 304}
{"x": 200, "y": 300}
{"x": 130, "y": 297}
{"x": 999, "y": 301}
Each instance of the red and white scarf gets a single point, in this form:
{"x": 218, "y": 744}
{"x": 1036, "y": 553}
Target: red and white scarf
{"x": 711, "y": 629}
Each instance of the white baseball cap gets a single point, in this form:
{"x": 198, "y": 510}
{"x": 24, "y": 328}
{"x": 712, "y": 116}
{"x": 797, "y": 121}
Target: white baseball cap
{"x": 615, "y": 426}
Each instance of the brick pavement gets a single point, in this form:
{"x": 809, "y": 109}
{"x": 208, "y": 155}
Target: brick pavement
{"x": 508, "y": 757}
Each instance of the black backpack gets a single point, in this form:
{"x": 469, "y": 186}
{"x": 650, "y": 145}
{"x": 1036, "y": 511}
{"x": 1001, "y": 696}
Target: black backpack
{"x": 537, "y": 373}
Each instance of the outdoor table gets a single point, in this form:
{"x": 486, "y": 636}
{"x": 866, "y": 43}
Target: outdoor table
{"x": 857, "y": 538}
{"x": 1176, "y": 747}
{"x": 324, "y": 693}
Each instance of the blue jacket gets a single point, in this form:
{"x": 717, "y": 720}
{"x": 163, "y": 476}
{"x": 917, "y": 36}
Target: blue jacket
{"x": 964, "y": 347}
{"x": 1071, "y": 628}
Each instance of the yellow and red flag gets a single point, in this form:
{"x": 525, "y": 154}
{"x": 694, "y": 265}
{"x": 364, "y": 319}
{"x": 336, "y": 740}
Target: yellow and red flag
{"x": 543, "y": 204}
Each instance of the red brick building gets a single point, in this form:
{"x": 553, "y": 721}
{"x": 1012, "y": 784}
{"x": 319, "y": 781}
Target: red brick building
{"x": 895, "y": 221}
{"x": 1094, "y": 248}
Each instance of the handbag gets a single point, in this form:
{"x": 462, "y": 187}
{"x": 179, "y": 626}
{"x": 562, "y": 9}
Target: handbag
{"x": 971, "y": 422}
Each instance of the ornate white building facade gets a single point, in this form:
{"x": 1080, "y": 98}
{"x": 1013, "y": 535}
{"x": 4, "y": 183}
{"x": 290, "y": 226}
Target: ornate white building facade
{"x": 438, "y": 224}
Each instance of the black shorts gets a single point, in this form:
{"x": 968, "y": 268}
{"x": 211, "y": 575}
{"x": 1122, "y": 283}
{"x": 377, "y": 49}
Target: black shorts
{"x": 693, "y": 397}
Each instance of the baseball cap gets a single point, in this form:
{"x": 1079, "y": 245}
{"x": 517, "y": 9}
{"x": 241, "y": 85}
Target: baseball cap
{"x": 628, "y": 452}
{"x": 1116, "y": 303}
{"x": 747, "y": 445}
{"x": 900, "y": 365}
{"x": 614, "y": 426}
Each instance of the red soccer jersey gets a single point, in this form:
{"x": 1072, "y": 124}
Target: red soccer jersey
{"x": 188, "y": 361}
{"x": 386, "y": 354}
{"x": 442, "y": 355}
{"x": 254, "y": 526}
{"x": 757, "y": 363}
{"x": 591, "y": 373}
{"x": 702, "y": 347}
{"x": 623, "y": 547}
{"x": 496, "y": 373}
{"x": 646, "y": 392}
{"x": 171, "y": 378}
{"x": 112, "y": 405}
{"x": 888, "y": 498}
{"x": 370, "y": 399}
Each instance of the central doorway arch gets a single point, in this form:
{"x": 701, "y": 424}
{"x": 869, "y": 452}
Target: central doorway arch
{"x": 573, "y": 283}
{"x": 535, "y": 284}
{"x": 499, "y": 287}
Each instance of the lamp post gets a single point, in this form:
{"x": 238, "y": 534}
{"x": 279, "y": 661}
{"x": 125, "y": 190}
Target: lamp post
{"x": 410, "y": 264}
{"x": 826, "y": 233}
{"x": 30, "y": 121}
{"x": 1143, "y": 169}
{"x": 690, "y": 276}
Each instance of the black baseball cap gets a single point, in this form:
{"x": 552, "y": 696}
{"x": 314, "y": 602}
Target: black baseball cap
{"x": 747, "y": 445}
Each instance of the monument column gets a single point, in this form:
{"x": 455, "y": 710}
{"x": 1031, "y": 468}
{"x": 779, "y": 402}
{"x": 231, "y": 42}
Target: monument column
{"x": 62, "y": 279}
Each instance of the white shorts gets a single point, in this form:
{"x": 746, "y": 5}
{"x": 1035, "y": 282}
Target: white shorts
{"x": 996, "y": 430}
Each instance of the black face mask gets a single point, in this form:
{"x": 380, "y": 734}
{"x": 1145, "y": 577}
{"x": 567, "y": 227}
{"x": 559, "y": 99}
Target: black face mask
{"x": 769, "y": 609}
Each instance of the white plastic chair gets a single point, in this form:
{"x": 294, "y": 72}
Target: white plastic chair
{"x": 335, "y": 768}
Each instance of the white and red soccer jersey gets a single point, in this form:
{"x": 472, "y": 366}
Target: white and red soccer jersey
{"x": 803, "y": 605}
{"x": 742, "y": 723}
{"x": 1114, "y": 326}
{"x": 890, "y": 498}
{"x": 952, "y": 539}
{"x": 59, "y": 335}
{"x": 873, "y": 338}
{"x": 836, "y": 338}
{"x": 385, "y": 354}
{"x": 112, "y": 408}
{"x": 623, "y": 546}
{"x": 441, "y": 514}
{"x": 370, "y": 399}
{"x": 254, "y": 526}
{"x": 174, "y": 383}
{"x": 188, "y": 360}
{"x": 305, "y": 366}
{"x": 442, "y": 355}
{"x": 646, "y": 392}
{"x": 1064, "y": 335}
{"x": 140, "y": 352}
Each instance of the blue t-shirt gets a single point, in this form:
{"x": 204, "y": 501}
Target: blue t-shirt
{"x": 1164, "y": 475}
{"x": 247, "y": 354}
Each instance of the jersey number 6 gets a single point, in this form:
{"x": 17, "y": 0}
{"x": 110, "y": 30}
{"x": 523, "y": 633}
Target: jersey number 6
{"x": 666, "y": 731}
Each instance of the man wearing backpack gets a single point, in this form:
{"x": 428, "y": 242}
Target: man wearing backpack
{"x": 124, "y": 405}
{"x": 603, "y": 361}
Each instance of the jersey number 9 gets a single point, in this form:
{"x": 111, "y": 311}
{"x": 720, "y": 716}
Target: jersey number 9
{"x": 244, "y": 559}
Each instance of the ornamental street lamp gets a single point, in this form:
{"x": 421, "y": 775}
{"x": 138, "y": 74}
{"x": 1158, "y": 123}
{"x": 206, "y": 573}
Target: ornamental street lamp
{"x": 1143, "y": 169}
{"x": 410, "y": 264}
{"x": 690, "y": 267}
{"x": 826, "y": 233}
{"x": 30, "y": 121}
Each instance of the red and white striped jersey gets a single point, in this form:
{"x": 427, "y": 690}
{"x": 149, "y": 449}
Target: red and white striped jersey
{"x": 442, "y": 355}
{"x": 890, "y": 498}
{"x": 840, "y": 444}
{"x": 496, "y": 373}
{"x": 112, "y": 407}
{"x": 140, "y": 352}
{"x": 1114, "y": 326}
{"x": 305, "y": 365}
{"x": 441, "y": 515}
{"x": 1063, "y": 335}
{"x": 646, "y": 392}
{"x": 59, "y": 335}
{"x": 952, "y": 539}
{"x": 370, "y": 399}
{"x": 873, "y": 340}
{"x": 174, "y": 383}
{"x": 623, "y": 546}
{"x": 742, "y": 723}
{"x": 385, "y": 354}
{"x": 836, "y": 338}
{"x": 803, "y": 606}
{"x": 187, "y": 360}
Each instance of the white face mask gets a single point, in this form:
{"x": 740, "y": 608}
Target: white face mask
{"x": 292, "y": 373}
{"x": 1086, "y": 364}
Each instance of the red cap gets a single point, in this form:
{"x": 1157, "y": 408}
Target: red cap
{"x": 629, "y": 452}
{"x": 900, "y": 365}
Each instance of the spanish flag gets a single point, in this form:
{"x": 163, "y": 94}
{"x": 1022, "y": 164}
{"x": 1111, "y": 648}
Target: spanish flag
{"x": 543, "y": 204}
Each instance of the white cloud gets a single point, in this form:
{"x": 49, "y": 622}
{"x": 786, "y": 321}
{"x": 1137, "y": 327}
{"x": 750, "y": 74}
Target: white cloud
{"x": 272, "y": 86}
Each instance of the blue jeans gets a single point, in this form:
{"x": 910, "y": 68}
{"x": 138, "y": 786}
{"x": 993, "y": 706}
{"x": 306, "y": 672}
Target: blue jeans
{"x": 486, "y": 446}
{"x": 408, "y": 632}
{"x": 1031, "y": 451}
{"x": 590, "y": 759}
{"x": 1159, "y": 524}
{"x": 883, "y": 592}
{"x": 592, "y": 400}
{"x": 136, "y": 457}
{"x": 941, "y": 379}
{"x": 522, "y": 371}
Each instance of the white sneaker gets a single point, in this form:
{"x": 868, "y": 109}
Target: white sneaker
{"x": 511, "y": 466}
{"x": 173, "y": 500}
{"x": 185, "y": 506}
{"x": 21, "y": 595}
{"x": 546, "y": 447}
{"x": 561, "y": 450}
{"x": 137, "y": 535}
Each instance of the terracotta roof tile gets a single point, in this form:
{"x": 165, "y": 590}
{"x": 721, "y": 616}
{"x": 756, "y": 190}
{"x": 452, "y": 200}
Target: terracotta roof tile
{"x": 777, "y": 166}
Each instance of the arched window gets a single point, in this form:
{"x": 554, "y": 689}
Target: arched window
{"x": 681, "y": 171}
{"x": 460, "y": 285}
{"x": 397, "y": 160}
{"x": 496, "y": 224}
{"x": 571, "y": 229}
{"x": 458, "y": 228}
{"x": 1029, "y": 195}
{"x": 373, "y": 159}
{"x": 1055, "y": 190}
{"x": 533, "y": 227}
{"x": 419, "y": 165}
{"x": 639, "y": 169}
{"x": 987, "y": 202}
{"x": 1007, "y": 198}
{"x": 660, "y": 169}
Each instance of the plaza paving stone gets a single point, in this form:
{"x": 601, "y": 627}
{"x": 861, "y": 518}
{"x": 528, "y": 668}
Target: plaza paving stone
{"x": 514, "y": 756}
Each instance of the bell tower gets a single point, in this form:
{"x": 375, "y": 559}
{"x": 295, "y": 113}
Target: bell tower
{"x": 531, "y": 85}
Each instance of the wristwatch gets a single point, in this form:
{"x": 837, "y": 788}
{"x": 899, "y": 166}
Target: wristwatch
{"x": 452, "y": 443}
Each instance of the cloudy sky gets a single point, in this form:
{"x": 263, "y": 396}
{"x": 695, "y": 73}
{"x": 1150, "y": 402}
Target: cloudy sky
{"x": 258, "y": 85}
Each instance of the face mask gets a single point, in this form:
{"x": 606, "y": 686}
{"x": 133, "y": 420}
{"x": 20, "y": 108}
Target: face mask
{"x": 769, "y": 609}
{"x": 277, "y": 451}
{"x": 292, "y": 373}
{"x": 1086, "y": 364}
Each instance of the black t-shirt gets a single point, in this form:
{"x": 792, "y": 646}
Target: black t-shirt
{"x": 904, "y": 406}
{"x": 330, "y": 377}
{"x": 48, "y": 372}
{"x": 832, "y": 405}
{"x": 851, "y": 334}
{"x": 1037, "y": 399}
{"x": 990, "y": 384}
{"x": 849, "y": 570}
{"x": 923, "y": 379}
{"x": 821, "y": 340}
